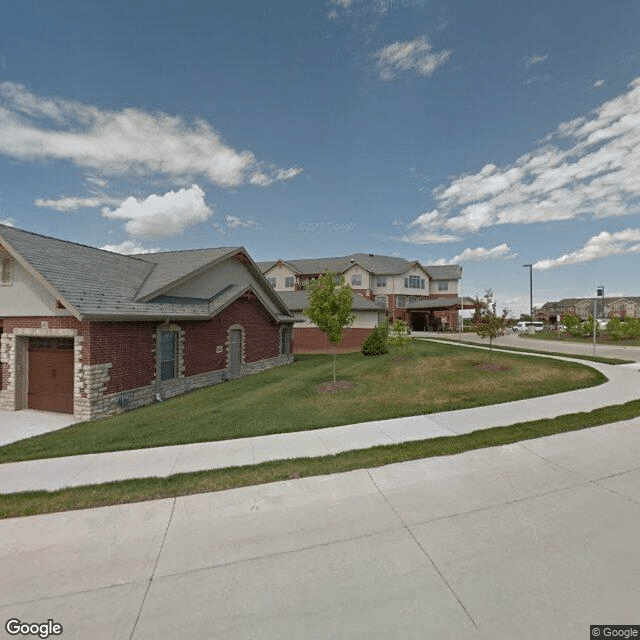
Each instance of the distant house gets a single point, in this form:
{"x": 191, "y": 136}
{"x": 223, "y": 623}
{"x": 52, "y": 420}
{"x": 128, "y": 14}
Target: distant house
{"x": 425, "y": 296}
{"x": 619, "y": 307}
{"x": 92, "y": 332}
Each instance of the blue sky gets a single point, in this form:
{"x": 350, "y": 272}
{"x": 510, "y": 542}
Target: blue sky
{"x": 492, "y": 134}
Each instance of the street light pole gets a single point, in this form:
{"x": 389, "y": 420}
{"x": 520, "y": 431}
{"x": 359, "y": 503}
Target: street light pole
{"x": 530, "y": 290}
{"x": 599, "y": 292}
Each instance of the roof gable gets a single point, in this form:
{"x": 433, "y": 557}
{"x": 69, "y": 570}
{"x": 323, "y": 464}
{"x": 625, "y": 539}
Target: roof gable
{"x": 79, "y": 275}
{"x": 175, "y": 267}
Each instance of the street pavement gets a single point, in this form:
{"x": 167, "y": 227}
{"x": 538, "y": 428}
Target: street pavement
{"x": 531, "y": 541}
{"x": 513, "y": 339}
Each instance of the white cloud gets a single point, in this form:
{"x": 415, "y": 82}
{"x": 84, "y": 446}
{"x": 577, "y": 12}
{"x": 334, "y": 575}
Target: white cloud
{"x": 166, "y": 215}
{"x": 262, "y": 179}
{"x": 414, "y": 55}
{"x": 600, "y": 246}
{"x": 480, "y": 254}
{"x": 593, "y": 173}
{"x": 128, "y": 247}
{"x": 118, "y": 142}
{"x": 597, "y": 84}
{"x": 73, "y": 203}
{"x": 234, "y": 222}
{"x": 535, "y": 58}
{"x": 8, "y": 222}
{"x": 96, "y": 181}
{"x": 426, "y": 237}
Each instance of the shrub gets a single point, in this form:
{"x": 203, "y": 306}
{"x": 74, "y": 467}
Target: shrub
{"x": 375, "y": 344}
{"x": 573, "y": 325}
{"x": 632, "y": 327}
{"x": 615, "y": 329}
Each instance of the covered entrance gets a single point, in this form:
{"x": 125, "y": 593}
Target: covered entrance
{"x": 50, "y": 374}
{"x": 437, "y": 314}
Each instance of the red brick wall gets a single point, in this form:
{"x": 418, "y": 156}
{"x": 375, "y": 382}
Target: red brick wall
{"x": 129, "y": 347}
{"x": 260, "y": 331}
{"x": 312, "y": 340}
{"x": 202, "y": 338}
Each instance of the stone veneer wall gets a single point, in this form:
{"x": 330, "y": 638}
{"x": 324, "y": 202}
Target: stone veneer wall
{"x": 115, "y": 403}
{"x": 9, "y": 395}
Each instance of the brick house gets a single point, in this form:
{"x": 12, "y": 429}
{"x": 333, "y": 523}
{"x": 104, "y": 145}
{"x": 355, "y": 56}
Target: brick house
{"x": 91, "y": 332}
{"x": 424, "y": 296}
{"x": 554, "y": 312}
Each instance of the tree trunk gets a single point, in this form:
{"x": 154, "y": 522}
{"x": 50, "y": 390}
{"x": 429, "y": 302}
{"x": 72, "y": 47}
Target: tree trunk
{"x": 490, "y": 347}
{"x": 334, "y": 364}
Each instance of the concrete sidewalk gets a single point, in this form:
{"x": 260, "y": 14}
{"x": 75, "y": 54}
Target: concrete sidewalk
{"x": 56, "y": 473}
{"x": 533, "y": 540}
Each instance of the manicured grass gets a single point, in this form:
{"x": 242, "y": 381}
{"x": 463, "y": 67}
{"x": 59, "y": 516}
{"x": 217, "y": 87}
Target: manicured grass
{"x": 438, "y": 377}
{"x": 127, "y": 491}
{"x": 564, "y": 354}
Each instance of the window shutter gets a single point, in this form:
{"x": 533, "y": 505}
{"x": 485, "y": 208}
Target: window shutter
{"x": 406, "y": 283}
{"x": 6, "y": 271}
{"x": 422, "y": 283}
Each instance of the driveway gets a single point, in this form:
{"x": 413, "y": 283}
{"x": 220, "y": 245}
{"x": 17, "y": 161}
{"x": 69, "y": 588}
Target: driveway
{"x": 533, "y": 540}
{"x": 17, "y": 425}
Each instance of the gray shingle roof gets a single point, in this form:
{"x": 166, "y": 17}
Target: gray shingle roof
{"x": 299, "y": 300}
{"x": 441, "y": 303}
{"x": 102, "y": 284}
{"x": 376, "y": 264}
{"x": 174, "y": 266}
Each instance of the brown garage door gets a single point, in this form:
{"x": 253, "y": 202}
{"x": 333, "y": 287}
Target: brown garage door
{"x": 51, "y": 374}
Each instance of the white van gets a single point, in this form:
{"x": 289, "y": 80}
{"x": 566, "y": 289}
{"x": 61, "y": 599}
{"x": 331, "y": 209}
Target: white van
{"x": 524, "y": 325}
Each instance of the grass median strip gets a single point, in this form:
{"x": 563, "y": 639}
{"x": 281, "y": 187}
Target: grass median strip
{"x": 577, "y": 356}
{"x": 138, "y": 490}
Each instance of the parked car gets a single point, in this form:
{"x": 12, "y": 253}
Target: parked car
{"x": 524, "y": 325}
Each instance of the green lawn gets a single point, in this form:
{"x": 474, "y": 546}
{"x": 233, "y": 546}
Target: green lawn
{"x": 438, "y": 377}
{"x": 140, "y": 489}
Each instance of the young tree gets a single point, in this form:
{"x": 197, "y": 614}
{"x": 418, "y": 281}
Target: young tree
{"x": 330, "y": 308}
{"x": 489, "y": 324}
{"x": 400, "y": 336}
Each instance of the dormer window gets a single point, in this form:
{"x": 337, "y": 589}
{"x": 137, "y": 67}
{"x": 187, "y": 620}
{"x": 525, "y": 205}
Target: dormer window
{"x": 6, "y": 270}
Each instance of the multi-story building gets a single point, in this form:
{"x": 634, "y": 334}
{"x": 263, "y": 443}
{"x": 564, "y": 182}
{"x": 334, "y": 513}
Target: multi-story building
{"x": 619, "y": 307}
{"x": 425, "y": 296}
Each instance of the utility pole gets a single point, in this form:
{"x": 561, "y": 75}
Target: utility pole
{"x": 530, "y": 266}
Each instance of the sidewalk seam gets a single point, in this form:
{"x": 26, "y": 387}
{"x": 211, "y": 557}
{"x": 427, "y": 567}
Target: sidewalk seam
{"x": 424, "y": 551}
{"x": 155, "y": 566}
